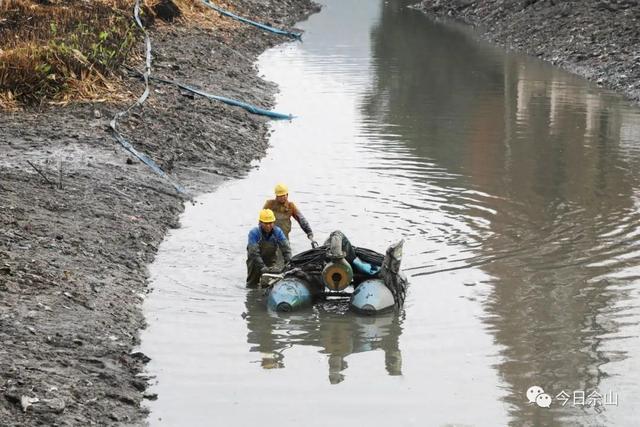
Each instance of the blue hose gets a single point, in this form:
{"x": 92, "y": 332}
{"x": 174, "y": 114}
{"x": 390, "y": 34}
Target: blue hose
{"x": 149, "y": 162}
{"x": 251, "y": 108}
{"x": 296, "y": 36}
{"x": 114, "y": 122}
{"x": 147, "y": 76}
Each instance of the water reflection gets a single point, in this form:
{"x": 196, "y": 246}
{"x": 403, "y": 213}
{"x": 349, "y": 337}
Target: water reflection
{"x": 328, "y": 326}
{"x": 515, "y": 188}
{"x": 560, "y": 224}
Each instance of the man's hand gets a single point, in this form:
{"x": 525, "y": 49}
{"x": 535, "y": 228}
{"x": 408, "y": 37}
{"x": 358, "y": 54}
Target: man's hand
{"x": 314, "y": 244}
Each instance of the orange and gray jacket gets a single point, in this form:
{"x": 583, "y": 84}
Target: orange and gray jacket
{"x": 284, "y": 212}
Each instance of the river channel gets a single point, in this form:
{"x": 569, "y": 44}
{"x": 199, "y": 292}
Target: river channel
{"x": 515, "y": 186}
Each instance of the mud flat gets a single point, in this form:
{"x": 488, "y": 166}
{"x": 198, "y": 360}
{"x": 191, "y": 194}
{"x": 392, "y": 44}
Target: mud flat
{"x": 597, "y": 39}
{"x": 81, "y": 219}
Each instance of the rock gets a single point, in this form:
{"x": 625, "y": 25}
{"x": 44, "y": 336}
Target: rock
{"x": 55, "y": 405}
{"x": 12, "y": 395}
{"x": 139, "y": 384}
{"x": 138, "y": 355}
{"x": 26, "y": 402}
{"x": 118, "y": 416}
{"x": 167, "y": 10}
{"x": 150, "y": 396}
{"x": 124, "y": 398}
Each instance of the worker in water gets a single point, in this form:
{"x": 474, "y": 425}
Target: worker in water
{"x": 284, "y": 210}
{"x": 264, "y": 240}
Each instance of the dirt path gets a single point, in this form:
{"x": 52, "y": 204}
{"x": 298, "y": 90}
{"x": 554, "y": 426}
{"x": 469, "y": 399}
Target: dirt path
{"x": 597, "y": 39}
{"x": 75, "y": 247}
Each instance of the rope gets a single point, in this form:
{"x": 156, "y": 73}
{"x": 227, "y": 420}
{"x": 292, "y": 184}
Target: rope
{"x": 296, "y": 36}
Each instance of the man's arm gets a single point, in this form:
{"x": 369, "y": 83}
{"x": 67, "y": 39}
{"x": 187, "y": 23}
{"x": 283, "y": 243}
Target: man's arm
{"x": 304, "y": 224}
{"x": 253, "y": 250}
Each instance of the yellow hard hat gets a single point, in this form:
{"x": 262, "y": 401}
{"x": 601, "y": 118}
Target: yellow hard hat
{"x": 281, "y": 190}
{"x": 266, "y": 215}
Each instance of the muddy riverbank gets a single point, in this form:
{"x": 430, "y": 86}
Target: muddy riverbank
{"x": 81, "y": 220}
{"x": 597, "y": 39}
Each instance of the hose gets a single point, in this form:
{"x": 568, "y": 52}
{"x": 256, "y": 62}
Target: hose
{"x": 296, "y": 36}
{"x": 114, "y": 122}
{"x": 250, "y": 108}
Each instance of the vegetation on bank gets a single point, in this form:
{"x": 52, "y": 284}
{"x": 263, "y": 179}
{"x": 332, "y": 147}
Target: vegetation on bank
{"x": 56, "y": 51}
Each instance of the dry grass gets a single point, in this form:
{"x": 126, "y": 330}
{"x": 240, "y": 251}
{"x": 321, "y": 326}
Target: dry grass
{"x": 58, "y": 51}
{"x": 195, "y": 13}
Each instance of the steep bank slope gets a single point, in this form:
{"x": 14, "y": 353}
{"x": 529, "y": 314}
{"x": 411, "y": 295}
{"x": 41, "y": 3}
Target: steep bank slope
{"x": 75, "y": 245}
{"x": 597, "y": 39}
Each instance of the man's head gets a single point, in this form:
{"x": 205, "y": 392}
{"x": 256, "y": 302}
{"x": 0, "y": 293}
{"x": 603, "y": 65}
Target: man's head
{"x": 267, "y": 220}
{"x": 282, "y": 193}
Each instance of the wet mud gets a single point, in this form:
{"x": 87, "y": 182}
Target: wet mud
{"x": 81, "y": 219}
{"x": 596, "y": 39}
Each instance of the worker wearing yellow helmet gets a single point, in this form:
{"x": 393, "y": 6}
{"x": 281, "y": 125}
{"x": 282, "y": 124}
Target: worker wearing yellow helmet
{"x": 264, "y": 242}
{"x": 284, "y": 210}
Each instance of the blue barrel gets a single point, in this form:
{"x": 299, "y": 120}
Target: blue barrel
{"x": 289, "y": 294}
{"x": 372, "y": 297}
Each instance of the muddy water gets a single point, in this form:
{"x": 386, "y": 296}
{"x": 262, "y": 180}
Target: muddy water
{"x": 515, "y": 187}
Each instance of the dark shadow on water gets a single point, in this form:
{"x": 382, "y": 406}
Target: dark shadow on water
{"x": 328, "y": 326}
